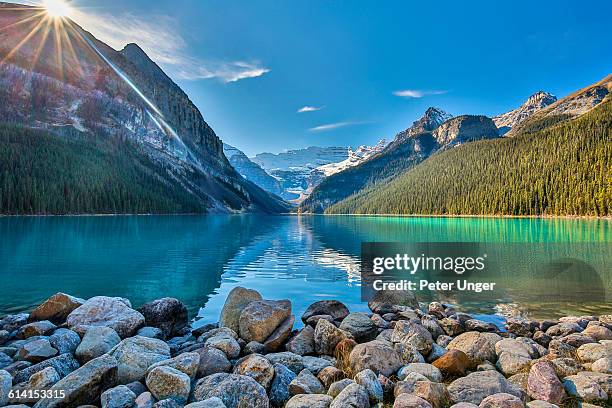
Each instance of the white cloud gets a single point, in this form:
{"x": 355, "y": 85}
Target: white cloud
{"x": 417, "y": 93}
{"x": 307, "y": 108}
{"x": 332, "y": 126}
{"x": 160, "y": 38}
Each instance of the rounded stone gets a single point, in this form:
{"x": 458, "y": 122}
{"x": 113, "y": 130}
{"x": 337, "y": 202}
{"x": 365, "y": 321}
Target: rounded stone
{"x": 169, "y": 383}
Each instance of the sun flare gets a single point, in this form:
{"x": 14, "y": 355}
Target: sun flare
{"x": 57, "y": 8}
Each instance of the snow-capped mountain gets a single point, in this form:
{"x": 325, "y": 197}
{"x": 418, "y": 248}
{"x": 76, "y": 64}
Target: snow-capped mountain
{"x": 532, "y": 105}
{"x": 355, "y": 158}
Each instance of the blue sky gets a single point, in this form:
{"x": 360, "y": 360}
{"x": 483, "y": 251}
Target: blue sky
{"x": 251, "y": 65}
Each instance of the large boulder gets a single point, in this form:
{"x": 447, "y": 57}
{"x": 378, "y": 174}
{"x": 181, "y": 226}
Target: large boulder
{"x": 169, "y": 383}
{"x": 392, "y": 302}
{"x": 6, "y": 381}
{"x": 360, "y": 326}
{"x": 369, "y": 380}
{"x": 56, "y": 309}
{"x": 410, "y": 401}
{"x": 501, "y": 400}
{"x": 477, "y": 386}
{"x": 279, "y": 335}
{"x": 354, "y": 396}
{"x": 377, "y": 355}
{"x": 260, "y": 318}
{"x": 64, "y": 365}
{"x": 479, "y": 347}
{"x": 65, "y": 341}
{"x": 309, "y": 401}
{"x": 454, "y": 363}
{"x": 326, "y": 337}
{"x": 306, "y": 383}
{"x": 187, "y": 363}
{"x": 433, "y": 392}
{"x": 212, "y": 361}
{"x": 543, "y": 383}
{"x": 292, "y": 361}
{"x": 413, "y": 334}
{"x": 428, "y": 371}
{"x": 136, "y": 354}
{"x": 167, "y": 314}
{"x": 236, "y": 391}
{"x": 37, "y": 351}
{"x": 257, "y": 367}
{"x": 42, "y": 328}
{"x": 96, "y": 342}
{"x": 118, "y": 397}
{"x": 337, "y": 310}
{"x": 302, "y": 343}
{"x": 107, "y": 312}
{"x": 84, "y": 386}
{"x": 279, "y": 390}
{"x": 235, "y": 302}
{"x": 584, "y": 387}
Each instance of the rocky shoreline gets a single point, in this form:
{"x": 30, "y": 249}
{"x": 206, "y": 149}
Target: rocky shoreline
{"x": 101, "y": 352}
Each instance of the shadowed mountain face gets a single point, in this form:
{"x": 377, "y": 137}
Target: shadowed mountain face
{"x": 57, "y": 77}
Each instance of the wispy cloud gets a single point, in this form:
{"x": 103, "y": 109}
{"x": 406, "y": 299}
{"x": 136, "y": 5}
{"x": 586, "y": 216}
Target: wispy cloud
{"x": 337, "y": 125}
{"x": 160, "y": 38}
{"x": 417, "y": 93}
{"x": 307, "y": 108}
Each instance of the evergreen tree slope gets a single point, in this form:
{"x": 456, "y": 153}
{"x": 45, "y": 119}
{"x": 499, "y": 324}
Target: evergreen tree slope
{"x": 552, "y": 168}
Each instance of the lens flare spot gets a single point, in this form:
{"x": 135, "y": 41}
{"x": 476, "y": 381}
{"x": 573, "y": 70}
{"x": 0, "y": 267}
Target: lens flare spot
{"x": 57, "y": 8}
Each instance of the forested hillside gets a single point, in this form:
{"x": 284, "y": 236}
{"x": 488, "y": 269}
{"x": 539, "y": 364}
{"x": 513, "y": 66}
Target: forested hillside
{"x": 562, "y": 169}
{"x": 44, "y": 174}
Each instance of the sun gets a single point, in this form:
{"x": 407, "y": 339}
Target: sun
{"x": 56, "y": 8}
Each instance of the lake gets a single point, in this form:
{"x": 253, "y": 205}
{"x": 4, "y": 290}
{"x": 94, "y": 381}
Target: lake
{"x": 199, "y": 259}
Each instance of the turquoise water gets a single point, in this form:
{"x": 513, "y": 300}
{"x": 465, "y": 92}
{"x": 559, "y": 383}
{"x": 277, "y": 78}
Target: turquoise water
{"x": 199, "y": 259}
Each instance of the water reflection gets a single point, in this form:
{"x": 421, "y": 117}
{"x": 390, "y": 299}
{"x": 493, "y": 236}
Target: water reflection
{"x": 200, "y": 259}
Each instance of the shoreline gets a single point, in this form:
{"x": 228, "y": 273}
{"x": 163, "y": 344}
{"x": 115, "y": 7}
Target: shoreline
{"x": 400, "y": 354}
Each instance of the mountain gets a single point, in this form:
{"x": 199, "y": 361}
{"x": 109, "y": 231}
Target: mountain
{"x": 355, "y": 157}
{"x": 253, "y": 172}
{"x": 559, "y": 163}
{"x": 301, "y": 170}
{"x": 532, "y": 105}
{"x": 409, "y": 148}
{"x": 60, "y": 80}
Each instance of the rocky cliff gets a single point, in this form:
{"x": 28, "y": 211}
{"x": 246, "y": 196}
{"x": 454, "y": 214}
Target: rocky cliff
{"x": 532, "y": 105}
{"x": 463, "y": 129}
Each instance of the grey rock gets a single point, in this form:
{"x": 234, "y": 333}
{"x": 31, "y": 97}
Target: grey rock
{"x": 212, "y": 361}
{"x": 501, "y": 400}
{"x": 410, "y": 401}
{"x": 279, "y": 390}
{"x": 280, "y": 335}
{"x": 337, "y": 310}
{"x": 584, "y": 387}
{"x": 257, "y": 367}
{"x": 413, "y": 334}
{"x": 563, "y": 329}
{"x": 145, "y": 400}
{"x": 543, "y": 383}
{"x": 169, "y": 383}
{"x": 360, "y": 326}
{"x": 315, "y": 364}
{"x": 541, "y": 404}
{"x": 225, "y": 343}
{"x": 427, "y": 370}
{"x": 96, "y": 342}
{"x": 6, "y": 382}
{"x": 4, "y": 336}
{"x": 306, "y": 383}
{"x": 42, "y": 328}
{"x": 118, "y": 397}
{"x": 292, "y": 361}
{"x": 235, "y": 302}
{"x": 477, "y": 386}
{"x": 376, "y": 355}
{"x": 603, "y": 365}
{"x": 137, "y": 387}
{"x": 303, "y": 343}
{"x": 336, "y": 388}
{"x": 65, "y": 341}
{"x": 136, "y": 354}
{"x": 63, "y": 364}
{"x": 213, "y": 402}
{"x": 11, "y": 323}
{"x": 254, "y": 347}
{"x": 187, "y": 363}
{"x": 56, "y": 309}
{"x": 167, "y": 314}
{"x": 44, "y": 379}
{"x": 479, "y": 347}
{"x": 369, "y": 380}
{"x": 479, "y": 326}
{"x": 151, "y": 332}
{"x": 326, "y": 337}
{"x": 510, "y": 364}
{"x": 309, "y": 401}
{"x": 260, "y": 318}
{"x": 107, "y": 312}
{"x": 392, "y": 302}
{"x": 167, "y": 403}
{"x": 236, "y": 391}
{"x": 84, "y": 385}
{"x": 37, "y": 351}
{"x": 353, "y": 396}
{"x": 17, "y": 366}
